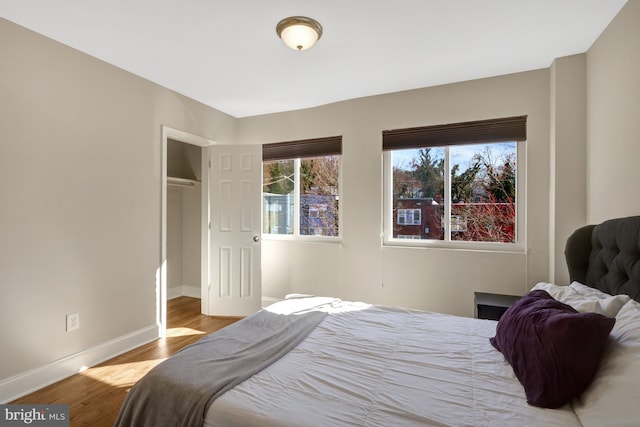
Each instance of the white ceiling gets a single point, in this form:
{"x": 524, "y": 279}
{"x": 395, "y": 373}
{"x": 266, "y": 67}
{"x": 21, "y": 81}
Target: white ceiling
{"x": 226, "y": 54}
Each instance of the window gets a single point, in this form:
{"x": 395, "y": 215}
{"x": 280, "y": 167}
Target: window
{"x": 454, "y": 183}
{"x": 459, "y": 223}
{"x": 301, "y": 187}
{"x": 409, "y": 216}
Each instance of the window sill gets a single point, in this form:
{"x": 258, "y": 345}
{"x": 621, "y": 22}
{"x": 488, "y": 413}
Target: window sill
{"x": 309, "y": 239}
{"x": 456, "y": 245}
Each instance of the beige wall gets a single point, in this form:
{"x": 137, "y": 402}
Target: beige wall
{"x": 191, "y": 239}
{"x": 183, "y": 241}
{"x": 433, "y": 279}
{"x": 184, "y": 211}
{"x": 567, "y": 189}
{"x": 175, "y": 221}
{"x": 80, "y": 163}
{"x": 583, "y": 170}
{"x": 80, "y": 166}
{"x": 613, "y": 113}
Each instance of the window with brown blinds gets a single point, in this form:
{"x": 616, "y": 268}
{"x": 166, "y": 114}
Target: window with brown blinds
{"x": 301, "y": 188}
{"x": 455, "y": 183}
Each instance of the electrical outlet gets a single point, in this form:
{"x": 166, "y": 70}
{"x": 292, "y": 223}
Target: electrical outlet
{"x": 73, "y": 322}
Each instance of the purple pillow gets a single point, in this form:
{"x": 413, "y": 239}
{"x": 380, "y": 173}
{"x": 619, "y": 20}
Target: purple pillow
{"x": 554, "y": 350}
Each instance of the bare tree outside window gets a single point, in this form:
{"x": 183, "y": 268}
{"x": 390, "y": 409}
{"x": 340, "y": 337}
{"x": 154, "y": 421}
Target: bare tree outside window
{"x": 319, "y": 198}
{"x": 482, "y": 189}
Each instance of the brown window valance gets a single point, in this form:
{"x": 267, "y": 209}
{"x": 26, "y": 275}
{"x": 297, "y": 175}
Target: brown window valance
{"x": 315, "y": 147}
{"x": 476, "y": 132}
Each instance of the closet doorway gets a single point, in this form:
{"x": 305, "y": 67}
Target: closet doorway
{"x": 185, "y": 220}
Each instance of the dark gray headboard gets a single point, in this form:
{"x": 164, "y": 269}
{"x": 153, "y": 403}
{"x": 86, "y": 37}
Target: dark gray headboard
{"x": 607, "y": 256}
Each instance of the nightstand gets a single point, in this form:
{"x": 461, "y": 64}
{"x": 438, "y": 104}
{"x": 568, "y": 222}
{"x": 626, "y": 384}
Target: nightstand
{"x": 492, "y": 306}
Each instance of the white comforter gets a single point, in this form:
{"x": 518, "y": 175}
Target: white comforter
{"x": 374, "y": 366}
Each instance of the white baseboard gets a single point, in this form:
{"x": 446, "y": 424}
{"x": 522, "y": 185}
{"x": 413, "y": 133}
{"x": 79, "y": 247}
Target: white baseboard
{"x": 24, "y": 383}
{"x": 195, "y": 292}
{"x": 174, "y": 292}
{"x": 184, "y": 290}
{"x": 191, "y": 291}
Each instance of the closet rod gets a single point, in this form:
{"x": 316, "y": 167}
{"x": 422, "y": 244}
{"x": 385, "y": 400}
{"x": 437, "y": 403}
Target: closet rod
{"x": 181, "y": 182}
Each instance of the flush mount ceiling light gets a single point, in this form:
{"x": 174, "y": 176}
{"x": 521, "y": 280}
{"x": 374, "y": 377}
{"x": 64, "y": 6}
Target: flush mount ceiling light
{"x": 299, "y": 32}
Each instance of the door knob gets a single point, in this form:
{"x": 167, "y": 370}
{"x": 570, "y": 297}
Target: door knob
{"x": 256, "y": 238}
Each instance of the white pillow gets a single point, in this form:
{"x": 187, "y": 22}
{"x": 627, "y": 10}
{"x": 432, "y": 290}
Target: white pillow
{"x": 560, "y": 293}
{"x": 585, "y": 299}
{"x": 611, "y": 304}
{"x": 613, "y": 398}
{"x": 588, "y": 291}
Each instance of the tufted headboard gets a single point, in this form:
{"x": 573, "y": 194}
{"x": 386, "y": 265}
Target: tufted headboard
{"x": 607, "y": 256}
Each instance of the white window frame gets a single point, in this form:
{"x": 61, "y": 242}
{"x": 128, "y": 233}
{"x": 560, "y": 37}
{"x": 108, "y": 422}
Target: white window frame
{"x": 388, "y": 218}
{"x": 296, "y": 210}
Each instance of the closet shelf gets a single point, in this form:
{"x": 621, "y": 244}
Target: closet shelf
{"x": 181, "y": 182}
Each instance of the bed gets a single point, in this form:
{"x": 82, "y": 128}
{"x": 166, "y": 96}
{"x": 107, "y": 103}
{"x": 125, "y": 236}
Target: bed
{"x": 561, "y": 355}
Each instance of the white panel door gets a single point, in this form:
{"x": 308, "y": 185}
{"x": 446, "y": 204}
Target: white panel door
{"x": 236, "y": 205}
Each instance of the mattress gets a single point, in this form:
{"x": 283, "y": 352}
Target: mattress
{"x": 366, "y": 365}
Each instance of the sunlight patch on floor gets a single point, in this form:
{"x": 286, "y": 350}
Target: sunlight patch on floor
{"x": 182, "y": 332}
{"x": 121, "y": 375}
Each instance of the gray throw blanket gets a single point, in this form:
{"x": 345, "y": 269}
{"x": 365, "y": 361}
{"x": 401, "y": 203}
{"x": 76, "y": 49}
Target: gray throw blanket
{"x": 179, "y": 391}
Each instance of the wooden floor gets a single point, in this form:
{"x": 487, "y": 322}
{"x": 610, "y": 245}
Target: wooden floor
{"x": 94, "y": 396}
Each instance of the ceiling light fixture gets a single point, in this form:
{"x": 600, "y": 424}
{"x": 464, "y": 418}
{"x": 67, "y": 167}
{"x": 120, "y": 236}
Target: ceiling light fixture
{"x": 299, "y": 32}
